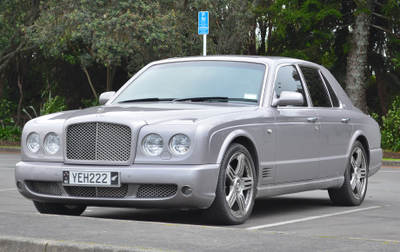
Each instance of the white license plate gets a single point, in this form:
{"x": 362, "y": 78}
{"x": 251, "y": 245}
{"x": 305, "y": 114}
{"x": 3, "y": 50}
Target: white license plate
{"x": 92, "y": 178}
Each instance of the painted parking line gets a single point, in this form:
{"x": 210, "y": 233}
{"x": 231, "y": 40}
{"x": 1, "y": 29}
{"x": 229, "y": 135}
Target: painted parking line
{"x": 8, "y": 189}
{"x": 311, "y": 218}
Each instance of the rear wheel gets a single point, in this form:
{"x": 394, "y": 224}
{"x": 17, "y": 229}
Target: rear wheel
{"x": 354, "y": 188}
{"x": 55, "y": 208}
{"x": 235, "y": 192}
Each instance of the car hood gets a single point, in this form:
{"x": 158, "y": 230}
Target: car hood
{"x": 149, "y": 113}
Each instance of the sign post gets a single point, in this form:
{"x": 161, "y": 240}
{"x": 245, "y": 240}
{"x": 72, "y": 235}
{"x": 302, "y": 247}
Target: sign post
{"x": 203, "y": 28}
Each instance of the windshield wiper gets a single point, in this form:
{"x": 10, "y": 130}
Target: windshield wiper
{"x": 215, "y": 98}
{"x": 148, "y": 100}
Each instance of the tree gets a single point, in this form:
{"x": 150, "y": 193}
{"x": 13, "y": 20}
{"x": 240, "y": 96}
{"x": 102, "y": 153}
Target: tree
{"x": 301, "y": 28}
{"x": 14, "y": 48}
{"x": 106, "y": 31}
{"x": 357, "y": 59}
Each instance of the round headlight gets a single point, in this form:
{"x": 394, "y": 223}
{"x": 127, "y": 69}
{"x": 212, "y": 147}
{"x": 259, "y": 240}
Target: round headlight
{"x": 51, "y": 143}
{"x": 152, "y": 145}
{"x": 33, "y": 142}
{"x": 179, "y": 144}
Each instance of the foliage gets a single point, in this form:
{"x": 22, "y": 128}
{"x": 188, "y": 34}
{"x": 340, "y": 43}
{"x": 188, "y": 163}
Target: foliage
{"x": 5, "y": 112}
{"x": 390, "y": 129}
{"x": 53, "y": 105}
{"x": 304, "y": 29}
{"x": 105, "y": 31}
{"x": 8, "y": 132}
{"x": 90, "y": 103}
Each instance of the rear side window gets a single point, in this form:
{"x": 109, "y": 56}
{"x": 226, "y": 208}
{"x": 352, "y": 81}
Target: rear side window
{"x": 316, "y": 87}
{"x": 288, "y": 79}
{"x": 335, "y": 100}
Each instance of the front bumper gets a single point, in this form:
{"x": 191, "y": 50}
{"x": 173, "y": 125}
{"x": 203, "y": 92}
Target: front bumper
{"x": 202, "y": 179}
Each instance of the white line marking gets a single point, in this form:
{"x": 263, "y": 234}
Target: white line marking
{"x": 311, "y": 218}
{"x": 7, "y": 169}
{"x": 8, "y": 189}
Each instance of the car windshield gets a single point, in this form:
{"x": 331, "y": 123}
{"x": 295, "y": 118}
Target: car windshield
{"x": 197, "y": 81}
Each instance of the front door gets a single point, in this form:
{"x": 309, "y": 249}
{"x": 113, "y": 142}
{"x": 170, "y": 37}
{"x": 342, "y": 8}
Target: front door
{"x": 298, "y": 135}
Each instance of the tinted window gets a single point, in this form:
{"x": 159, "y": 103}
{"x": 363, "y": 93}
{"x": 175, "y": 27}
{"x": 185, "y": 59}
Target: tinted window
{"x": 334, "y": 98}
{"x": 316, "y": 87}
{"x": 288, "y": 79}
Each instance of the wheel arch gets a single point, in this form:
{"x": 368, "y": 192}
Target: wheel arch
{"x": 359, "y": 136}
{"x": 244, "y": 138}
{"x": 363, "y": 140}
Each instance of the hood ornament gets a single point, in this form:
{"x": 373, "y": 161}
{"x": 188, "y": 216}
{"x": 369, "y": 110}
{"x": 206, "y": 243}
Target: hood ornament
{"x": 100, "y": 110}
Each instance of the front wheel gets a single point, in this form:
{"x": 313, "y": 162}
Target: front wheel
{"x": 354, "y": 188}
{"x": 235, "y": 192}
{"x": 55, "y": 208}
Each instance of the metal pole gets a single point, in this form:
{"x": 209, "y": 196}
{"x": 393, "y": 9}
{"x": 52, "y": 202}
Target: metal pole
{"x": 204, "y": 44}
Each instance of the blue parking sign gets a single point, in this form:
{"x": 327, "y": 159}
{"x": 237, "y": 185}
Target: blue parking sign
{"x": 203, "y": 22}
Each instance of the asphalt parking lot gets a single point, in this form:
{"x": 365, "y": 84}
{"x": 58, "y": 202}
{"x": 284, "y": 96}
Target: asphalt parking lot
{"x": 297, "y": 222}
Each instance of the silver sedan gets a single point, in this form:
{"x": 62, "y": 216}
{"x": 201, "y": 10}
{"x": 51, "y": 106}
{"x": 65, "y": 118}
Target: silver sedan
{"x": 211, "y": 133}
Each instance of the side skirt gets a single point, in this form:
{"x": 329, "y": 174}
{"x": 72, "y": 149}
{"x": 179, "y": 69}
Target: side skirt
{"x": 286, "y": 188}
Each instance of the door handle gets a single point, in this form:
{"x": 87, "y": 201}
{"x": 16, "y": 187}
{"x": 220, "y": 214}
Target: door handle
{"x": 345, "y": 120}
{"x": 312, "y": 119}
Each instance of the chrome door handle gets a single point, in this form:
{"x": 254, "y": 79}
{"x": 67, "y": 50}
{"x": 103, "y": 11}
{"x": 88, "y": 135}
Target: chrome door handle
{"x": 312, "y": 119}
{"x": 345, "y": 120}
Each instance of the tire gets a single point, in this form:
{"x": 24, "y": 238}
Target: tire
{"x": 235, "y": 190}
{"x": 354, "y": 188}
{"x": 54, "y": 208}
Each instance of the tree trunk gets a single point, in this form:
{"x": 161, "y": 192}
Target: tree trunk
{"x": 110, "y": 76}
{"x": 269, "y": 39}
{"x": 252, "y": 40}
{"x": 19, "y": 82}
{"x": 3, "y": 76}
{"x": 263, "y": 33}
{"x": 357, "y": 59}
{"x": 90, "y": 82}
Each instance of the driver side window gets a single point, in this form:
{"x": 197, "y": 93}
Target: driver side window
{"x": 288, "y": 79}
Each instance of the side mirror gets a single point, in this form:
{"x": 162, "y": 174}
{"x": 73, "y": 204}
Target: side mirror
{"x": 288, "y": 98}
{"x": 105, "y": 97}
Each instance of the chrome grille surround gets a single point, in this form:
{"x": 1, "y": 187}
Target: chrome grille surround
{"x": 97, "y": 192}
{"x": 98, "y": 141}
{"x": 45, "y": 187}
{"x": 156, "y": 190}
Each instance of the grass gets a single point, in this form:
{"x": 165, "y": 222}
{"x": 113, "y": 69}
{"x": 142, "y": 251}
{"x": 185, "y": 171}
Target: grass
{"x": 391, "y": 159}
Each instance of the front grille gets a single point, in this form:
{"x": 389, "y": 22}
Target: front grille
{"x": 97, "y": 141}
{"x": 98, "y": 192}
{"x": 46, "y": 187}
{"x": 156, "y": 191}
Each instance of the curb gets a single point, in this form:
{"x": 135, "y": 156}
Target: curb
{"x": 11, "y": 149}
{"x": 8, "y": 243}
{"x": 17, "y": 150}
{"x": 391, "y": 163}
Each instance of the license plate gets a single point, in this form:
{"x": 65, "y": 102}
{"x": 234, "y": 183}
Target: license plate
{"x": 92, "y": 178}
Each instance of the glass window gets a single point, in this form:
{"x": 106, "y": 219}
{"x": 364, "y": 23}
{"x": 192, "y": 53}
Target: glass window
{"x": 239, "y": 80}
{"x": 316, "y": 87}
{"x": 288, "y": 79}
{"x": 334, "y": 98}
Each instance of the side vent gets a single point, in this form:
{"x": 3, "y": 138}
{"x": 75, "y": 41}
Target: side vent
{"x": 267, "y": 172}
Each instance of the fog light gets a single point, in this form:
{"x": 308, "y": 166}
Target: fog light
{"x": 187, "y": 190}
{"x": 20, "y": 185}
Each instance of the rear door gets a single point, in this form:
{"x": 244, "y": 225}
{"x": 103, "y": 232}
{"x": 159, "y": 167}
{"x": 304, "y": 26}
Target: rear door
{"x": 334, "y": 123}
